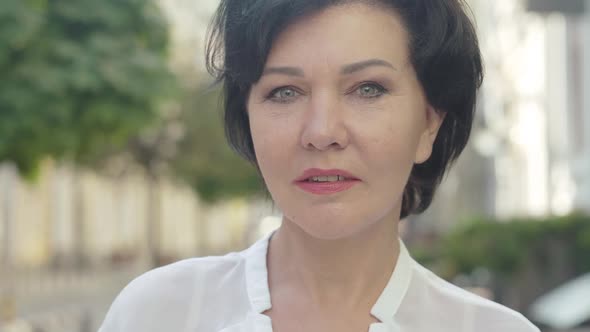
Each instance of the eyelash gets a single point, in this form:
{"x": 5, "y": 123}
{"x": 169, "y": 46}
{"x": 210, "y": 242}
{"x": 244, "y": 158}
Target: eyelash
{"x": 380, "y": 90}
{"x": 271, "y": 96}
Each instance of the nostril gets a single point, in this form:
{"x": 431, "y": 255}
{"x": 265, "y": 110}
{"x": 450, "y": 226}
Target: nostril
{"x": 335, "y": 144}
{"x": 322, "y": 144}
{"x": 322, "y": 134}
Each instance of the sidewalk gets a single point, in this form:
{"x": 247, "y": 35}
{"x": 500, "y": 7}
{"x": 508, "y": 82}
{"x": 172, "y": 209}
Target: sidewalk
{"x": 66, "y": 300}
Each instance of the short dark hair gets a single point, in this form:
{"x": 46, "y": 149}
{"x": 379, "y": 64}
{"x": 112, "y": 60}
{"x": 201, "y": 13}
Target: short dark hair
{"x": 444, "y": 52}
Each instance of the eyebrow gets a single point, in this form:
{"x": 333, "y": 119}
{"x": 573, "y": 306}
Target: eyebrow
{"x": 358, "y": 66}
{"x": 346, "y": 69}
{"x": 289, "y": 71}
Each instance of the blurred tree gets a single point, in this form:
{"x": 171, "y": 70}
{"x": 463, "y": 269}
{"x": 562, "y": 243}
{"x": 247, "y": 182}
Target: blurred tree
{"x": 153, "y": 149}
{"x": 79, "y": 77}
{"x": 79, "y": 80}
{"x": 526, "y": 256}
{"x": 204, "y": 159}
{"x": 188, "y": 143}
{"x": 82, "y": 81}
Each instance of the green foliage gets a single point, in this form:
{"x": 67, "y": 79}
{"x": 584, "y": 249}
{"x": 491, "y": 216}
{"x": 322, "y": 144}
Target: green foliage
{"x": 505, "y": 247}
{"x": 204, "y": 158}
{"x": 79, "y": 77}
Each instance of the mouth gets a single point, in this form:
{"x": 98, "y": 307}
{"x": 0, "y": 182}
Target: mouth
{"x": 326, "y": 182}
{"x": 325, "y": 175}
{"x": 326, "y": 178}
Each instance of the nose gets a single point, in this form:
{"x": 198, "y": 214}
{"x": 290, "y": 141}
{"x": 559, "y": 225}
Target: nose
{"x": 324, "y": 127}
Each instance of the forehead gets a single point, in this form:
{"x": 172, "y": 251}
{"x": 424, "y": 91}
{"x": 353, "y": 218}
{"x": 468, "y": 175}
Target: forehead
{"x": 342, "y": 34}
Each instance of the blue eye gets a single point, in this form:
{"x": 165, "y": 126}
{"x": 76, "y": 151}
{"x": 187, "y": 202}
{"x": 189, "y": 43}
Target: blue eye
{"x": 283, "y": 94}
{"x": 371, "y": 90}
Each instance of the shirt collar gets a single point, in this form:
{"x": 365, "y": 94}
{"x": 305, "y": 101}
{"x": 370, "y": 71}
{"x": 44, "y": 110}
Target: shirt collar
{"x": 257, "y": 275}
{"x": 394, "y": 292}
{"x": 384, "y": 309}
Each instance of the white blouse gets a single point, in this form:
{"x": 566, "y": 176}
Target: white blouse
{"x": 230, "y": 293}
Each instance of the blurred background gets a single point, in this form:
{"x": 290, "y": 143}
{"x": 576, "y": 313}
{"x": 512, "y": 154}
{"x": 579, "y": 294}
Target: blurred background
{"x": 113, "y": 161}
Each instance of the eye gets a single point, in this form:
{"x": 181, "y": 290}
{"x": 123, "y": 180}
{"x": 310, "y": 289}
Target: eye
{"x": 283, "y": 94}
{"x": 371, "y": 90}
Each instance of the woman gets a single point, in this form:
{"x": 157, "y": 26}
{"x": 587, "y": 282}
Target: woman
{"x": 351, "y": 111}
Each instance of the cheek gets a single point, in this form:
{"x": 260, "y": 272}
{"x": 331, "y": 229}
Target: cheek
{"x": 389, "y": 153}
{"x": 260, "y": 135}
{"x": 270, "y": 138}
{"x": 391, "y": 137}
{"x": 390, "y": 149}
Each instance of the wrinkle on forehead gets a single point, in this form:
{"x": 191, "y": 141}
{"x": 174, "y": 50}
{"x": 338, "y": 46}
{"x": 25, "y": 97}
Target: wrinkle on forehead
{"x": 304, "y": 32}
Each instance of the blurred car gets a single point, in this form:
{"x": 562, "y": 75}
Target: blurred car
{"x": 565, "y": 308}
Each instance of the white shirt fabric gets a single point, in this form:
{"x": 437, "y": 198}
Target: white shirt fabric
{"x": 230, "y": 293}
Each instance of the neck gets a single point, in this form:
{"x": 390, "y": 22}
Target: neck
{"x": 344, "y": 272}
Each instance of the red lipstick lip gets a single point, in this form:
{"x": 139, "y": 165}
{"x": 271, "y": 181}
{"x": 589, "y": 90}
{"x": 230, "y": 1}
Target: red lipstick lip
{"x": 325, "y": 188}
{"x": 311, "y": 172}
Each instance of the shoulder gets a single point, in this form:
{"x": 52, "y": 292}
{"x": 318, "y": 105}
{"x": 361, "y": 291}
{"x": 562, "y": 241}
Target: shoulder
{"x": 471, "y": 310}
{"x": 174, "y": 296}
{"x": 182, "y": 278}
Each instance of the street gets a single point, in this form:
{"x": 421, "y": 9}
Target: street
{"x": 66, "y": 301}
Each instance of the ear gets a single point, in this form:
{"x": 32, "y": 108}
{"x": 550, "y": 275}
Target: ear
{"x": 434, "y": 119}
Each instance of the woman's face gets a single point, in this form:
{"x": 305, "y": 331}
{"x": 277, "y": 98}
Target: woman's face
{"x": 338, "y": 118}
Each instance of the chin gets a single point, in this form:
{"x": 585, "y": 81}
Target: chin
{"x": 328, "y": 227}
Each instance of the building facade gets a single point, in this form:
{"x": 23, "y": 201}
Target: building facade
{"x": 536, "y": 104}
